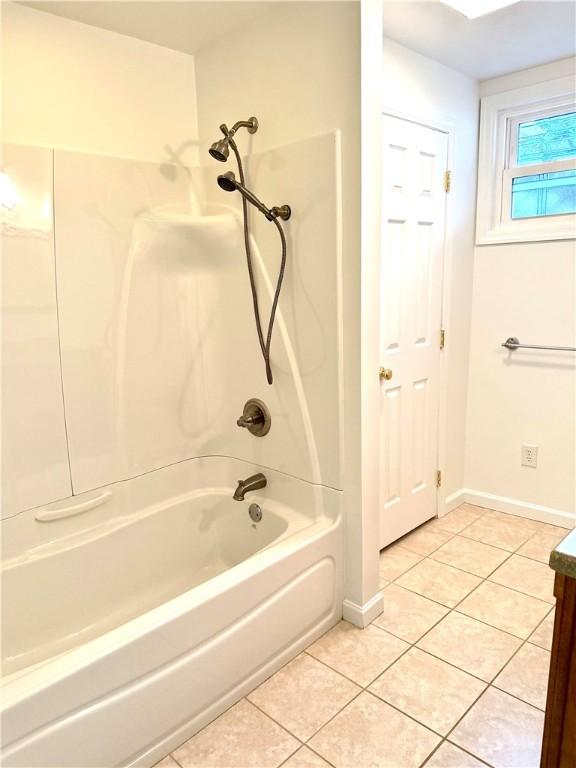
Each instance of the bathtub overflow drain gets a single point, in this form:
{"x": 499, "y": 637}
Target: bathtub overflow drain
{"x": 255, "y": 513}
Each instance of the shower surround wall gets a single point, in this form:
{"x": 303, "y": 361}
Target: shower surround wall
{"x": 132, "y": 368}
{"x": 302, "y": 82}
{"x": 166, "y": 354}
{"x": 118, "y": 82}
{"x": 155, "y": 345}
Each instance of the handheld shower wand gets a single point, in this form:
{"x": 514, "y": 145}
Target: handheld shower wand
{"x": 228, "y": 182}
{"x": 220, "y": 151}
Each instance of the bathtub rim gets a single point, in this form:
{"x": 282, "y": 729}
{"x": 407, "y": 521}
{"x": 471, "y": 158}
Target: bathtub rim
{"x": 99, "y": 530}
{"x": 22, "y": 684}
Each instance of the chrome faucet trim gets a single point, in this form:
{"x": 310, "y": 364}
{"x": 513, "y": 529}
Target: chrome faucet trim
{"x": 252, "y": 483}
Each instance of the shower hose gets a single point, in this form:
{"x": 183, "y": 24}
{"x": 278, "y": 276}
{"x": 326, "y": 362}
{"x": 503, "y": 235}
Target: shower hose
{"x": 264, "y": 344}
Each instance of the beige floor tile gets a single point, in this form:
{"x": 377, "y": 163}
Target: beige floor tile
{"x": 407, "y": 614}
{"x": 471, "y": 645}
{"x": 305, "y": 758}
{"x": 526, "y": 675}
{"x": 429, "y": 690}
{"x": 502, "y": 731}
{"x": 167, "y": 762}
{"x": 242, "y": 736}
{"x": 528, "y": 576}
{"x": 394, "y": 561}
{"x": 360, "y": 654}
{"x": 439, "y": 582}
{"x": 459, "y": 518}
{"x": 368, "y": 732}
{"x": 543, "y": 633}
{"x": 504, "y": 609}
{"x": 469, "y": 555}
{"x": 303, "y": 695}
{"x": 499, "y": 530}
{"x": 449, "y": 756}
{"x": 539, "y": 546}
{"x": 524, "y": 522}
{"x": 548, "y": 528}
{"x": 425, "y": 539}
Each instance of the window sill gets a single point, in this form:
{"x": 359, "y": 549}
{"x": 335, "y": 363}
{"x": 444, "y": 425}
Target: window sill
{"x": 530, "y": 230}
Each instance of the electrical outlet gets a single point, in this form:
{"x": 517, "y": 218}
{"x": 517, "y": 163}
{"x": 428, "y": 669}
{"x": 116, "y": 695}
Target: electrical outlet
{"x": 529, "y": 455}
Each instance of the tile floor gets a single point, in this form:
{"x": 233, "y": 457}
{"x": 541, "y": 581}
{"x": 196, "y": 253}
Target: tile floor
{"x": 453, "y": 674}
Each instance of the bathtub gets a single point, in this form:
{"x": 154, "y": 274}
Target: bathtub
{"x": 129, "y": 626}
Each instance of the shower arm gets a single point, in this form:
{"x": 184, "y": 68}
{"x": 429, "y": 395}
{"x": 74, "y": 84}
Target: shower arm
{"x": 251, "y": 125}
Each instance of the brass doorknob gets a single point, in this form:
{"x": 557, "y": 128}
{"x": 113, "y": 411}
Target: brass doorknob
{"x": 386, "y": 373}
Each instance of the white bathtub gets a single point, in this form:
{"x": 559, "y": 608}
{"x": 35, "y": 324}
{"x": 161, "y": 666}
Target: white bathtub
{"x": 129, "y": 627}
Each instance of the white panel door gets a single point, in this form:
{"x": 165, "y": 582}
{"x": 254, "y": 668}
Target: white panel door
{"x": 413, "y": 229}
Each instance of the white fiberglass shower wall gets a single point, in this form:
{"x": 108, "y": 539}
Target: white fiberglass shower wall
{"x": 130, "y": 349}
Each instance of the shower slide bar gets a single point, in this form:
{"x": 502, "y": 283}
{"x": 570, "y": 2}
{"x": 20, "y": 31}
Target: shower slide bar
{"x": 513, "y": 343}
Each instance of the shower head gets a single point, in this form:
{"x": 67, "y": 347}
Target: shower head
{"x": 221, "y": 149}
{"x": 228, "y": 182}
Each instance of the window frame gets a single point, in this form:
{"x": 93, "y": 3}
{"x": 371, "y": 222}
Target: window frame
{"x": 519, "y": 171}
{"x": 499, "y": 119}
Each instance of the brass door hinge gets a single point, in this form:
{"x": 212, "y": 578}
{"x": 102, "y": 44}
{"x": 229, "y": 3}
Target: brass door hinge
{"x": 438, "y": 478}
{"x": 447, "y": 180}
{"x": 442, "y": 338}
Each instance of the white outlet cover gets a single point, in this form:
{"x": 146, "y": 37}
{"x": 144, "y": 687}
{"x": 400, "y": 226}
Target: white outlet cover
{"x": 530, "y": 456}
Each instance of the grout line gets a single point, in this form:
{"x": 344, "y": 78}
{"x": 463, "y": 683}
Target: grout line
{"x": 482, "y": 578}
{"x": 463, "y": 749}
{"x": 432, "y": 626}
{"x": 445, "y": 741}
{"x": 410, "y": 645}
{"x": 365, "y": 687}
{"x": 360, "y": 692}
{"x": 406, "y": 714}
{"x": 319, "y": 755}
{"x": 490, "y": 685}
{"x": 283, "y": 727}
{"x": 173, "y": 758}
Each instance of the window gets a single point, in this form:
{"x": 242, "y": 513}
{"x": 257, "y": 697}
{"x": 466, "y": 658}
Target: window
{"x": 540, "y": 179}
{"x": 545, "y": 139}
{"x": 543, "y": 194}
{"x": 527, "y": 189}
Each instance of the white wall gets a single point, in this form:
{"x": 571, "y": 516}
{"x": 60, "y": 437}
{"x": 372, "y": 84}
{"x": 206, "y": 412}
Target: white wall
{"x": 297, "y": 68}
{"x": 526, "y": 290}
{"x": 424, "y": 89}
{"x": 71, "y": 86}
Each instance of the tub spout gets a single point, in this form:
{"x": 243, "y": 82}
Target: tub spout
{"x": 252, "y": 483}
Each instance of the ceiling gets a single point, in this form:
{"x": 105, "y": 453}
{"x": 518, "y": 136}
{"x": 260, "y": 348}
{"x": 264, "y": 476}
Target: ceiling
{"x": 523, "y": 35}
{"x": 182, "y": 26}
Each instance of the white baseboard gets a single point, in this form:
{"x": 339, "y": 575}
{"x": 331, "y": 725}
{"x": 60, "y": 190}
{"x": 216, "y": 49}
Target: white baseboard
{"x": 452, "y": 501}
{"x": 511, "y": 506}
{"x": 362, "y": 615}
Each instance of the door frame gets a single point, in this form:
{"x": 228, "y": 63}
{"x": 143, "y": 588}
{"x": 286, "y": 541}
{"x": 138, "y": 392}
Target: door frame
{"x": 447, "y": 128}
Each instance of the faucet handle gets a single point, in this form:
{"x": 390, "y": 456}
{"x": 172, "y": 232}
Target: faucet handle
{"x": 255, "y": 418}
{"x": 247, "y": 421}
